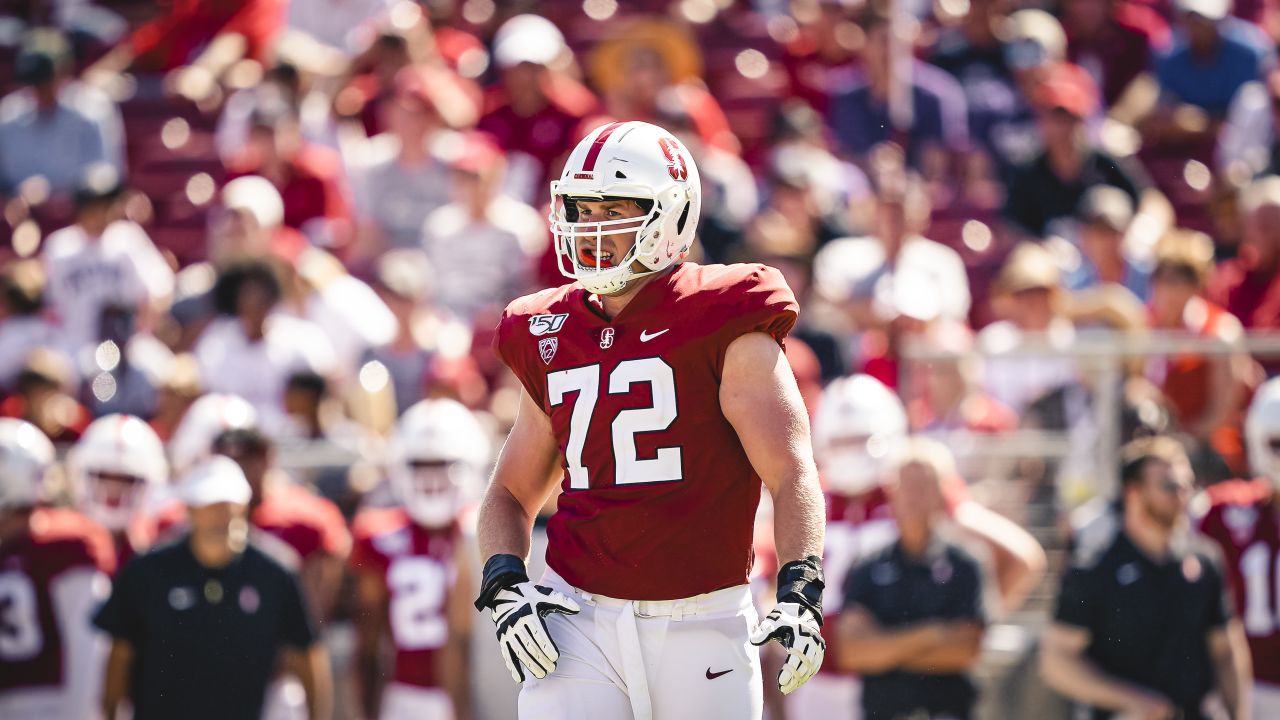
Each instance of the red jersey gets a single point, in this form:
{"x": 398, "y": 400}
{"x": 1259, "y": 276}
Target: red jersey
{"x": 306, "y": 522}
{"x": 659, "y": 497}
{"x": 30, "y": 636}
{"x": 1244, "y": 521}
{"x": 856, "y": 528}
{"x": 418, "y": 567}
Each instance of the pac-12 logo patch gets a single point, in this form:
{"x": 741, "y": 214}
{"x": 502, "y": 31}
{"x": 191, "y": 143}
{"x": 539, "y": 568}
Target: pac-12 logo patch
{"x": 547, "y": 348}
{"x": 546, "y": 324}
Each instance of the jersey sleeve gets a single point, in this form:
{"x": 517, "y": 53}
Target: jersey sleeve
{"x": 121, "y": 615}
{"x": 364, "y": 556}
{"x": 297, "y": 627}
{"x": 512, "y": 328}
{"x": 759, "y": 301}
{"x": 1077, "y": 604}
{"x": 857, "y": 586}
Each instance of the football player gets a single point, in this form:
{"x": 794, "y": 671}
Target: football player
{"x": 412, "y": 577}
{"x": 119, "y": 473}
{"x": 53, "y": 573}
{"x": 1243, "y": 518}
{"x": 657, "y": 396}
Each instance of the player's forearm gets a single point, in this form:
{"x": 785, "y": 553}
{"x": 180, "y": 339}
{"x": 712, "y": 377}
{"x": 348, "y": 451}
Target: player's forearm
{"x": 799, "y": 514}
{"x": 317, "y": 680}
{"x": 1075, "y": 677}
{"x": 1233, "y": 669}
{"x": 116, "y": 681}
{"x": 504, "y": 526}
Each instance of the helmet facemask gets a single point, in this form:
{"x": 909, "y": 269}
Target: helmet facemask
{"x": 113, "y": 499}
{"x": 430, "y": 490}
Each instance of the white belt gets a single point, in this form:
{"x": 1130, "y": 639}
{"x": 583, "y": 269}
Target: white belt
{"x": 726, "y": 601}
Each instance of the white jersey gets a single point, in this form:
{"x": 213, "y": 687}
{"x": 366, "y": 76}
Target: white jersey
{"x": 87, "y": 275}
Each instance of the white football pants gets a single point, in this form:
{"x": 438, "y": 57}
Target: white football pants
{"x": 406, "y": 702}
{"x": 1266, "y": 700}
{"x": 650, "y": 660}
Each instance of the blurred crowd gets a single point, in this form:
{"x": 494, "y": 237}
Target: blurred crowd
{"x": 312, "y": 212}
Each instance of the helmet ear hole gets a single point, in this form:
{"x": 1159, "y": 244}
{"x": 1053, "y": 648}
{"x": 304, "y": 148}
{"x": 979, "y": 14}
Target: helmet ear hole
{"x": 684, "y": 215}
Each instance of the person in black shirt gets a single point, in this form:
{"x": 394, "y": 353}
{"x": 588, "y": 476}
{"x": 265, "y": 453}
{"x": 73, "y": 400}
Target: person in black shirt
{"x": 1142, "y": 628}
{"x": 913, "y": 617}
{"x": 198, "y": 626}
{"x": 1051, "y": 186}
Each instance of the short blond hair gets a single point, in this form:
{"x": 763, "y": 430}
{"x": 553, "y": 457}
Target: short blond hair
{"x": 1187, "y": 252}
{"x": 927, "y": 452}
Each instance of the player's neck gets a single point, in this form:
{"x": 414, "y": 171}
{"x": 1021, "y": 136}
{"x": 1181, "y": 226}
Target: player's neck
{"x": 614, "y": 304}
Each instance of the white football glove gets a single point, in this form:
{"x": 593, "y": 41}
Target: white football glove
{"x": 797, "y": 630}
{"x": 518, "y": 612}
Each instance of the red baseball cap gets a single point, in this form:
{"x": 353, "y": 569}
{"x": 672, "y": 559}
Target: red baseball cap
{"x": 1068, "y": 87}
{"x": 476, "y": 153}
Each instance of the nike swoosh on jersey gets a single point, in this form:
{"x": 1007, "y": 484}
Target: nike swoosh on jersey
{"x": 713, "y": 676}
{"x": 646, "y": 336}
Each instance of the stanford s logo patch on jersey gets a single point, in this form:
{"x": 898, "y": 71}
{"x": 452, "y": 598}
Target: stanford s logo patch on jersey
{"x": 547, "y": 348}
{"x": 546, "y": 324}
{"x": 606, "y": 338}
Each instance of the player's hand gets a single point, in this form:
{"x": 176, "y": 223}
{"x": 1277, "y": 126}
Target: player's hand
{"x": 799, "y": 631}
{"x": 518, "y": 612}
{"x": 1149, "y": 707}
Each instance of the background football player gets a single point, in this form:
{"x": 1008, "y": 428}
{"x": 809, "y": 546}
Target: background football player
{"x": 53, "y": 574}
{"x": 119, "y": 474}
{"x": 656, "y": 394}
{"x": 413, "y": 576}
{"x": 1243, "y": 517}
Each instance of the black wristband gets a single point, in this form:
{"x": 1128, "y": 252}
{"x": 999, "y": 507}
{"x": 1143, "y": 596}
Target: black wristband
{"x": 500, "y": 571}
{"x": 801, "y": 581}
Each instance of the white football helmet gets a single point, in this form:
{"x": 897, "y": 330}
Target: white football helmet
{"x": 628, "y": 160}
{"x": 1262, "y": 432}
{"x": 25, "y": 456}
{"x": 115, "y": 467}
{"x": 207, "y": 418}
{"x": 439, "y": 452}
{"x": 859, "y": 427}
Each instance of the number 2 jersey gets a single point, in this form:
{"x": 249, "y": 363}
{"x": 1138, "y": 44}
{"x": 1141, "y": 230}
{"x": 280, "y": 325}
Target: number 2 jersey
{"x": 419, "y": 569}
{"x": 1245, "y": 522}
{"x": 659, "y": 496}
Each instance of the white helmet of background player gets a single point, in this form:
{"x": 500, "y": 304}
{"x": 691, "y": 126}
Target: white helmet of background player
{"x": 207, "y": 418}
{"x": 439, "y": 450}
{"x": 116, "y": 465}
{"x": 632, "y": 160}
{"x": 1262, "y": 432}
{"x": 859, "y": 427}
{"x": 25, "y": 456}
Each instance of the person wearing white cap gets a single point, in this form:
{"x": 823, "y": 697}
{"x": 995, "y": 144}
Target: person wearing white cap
{"x": 539, "y": 109}
{"x": 199, "y": 625}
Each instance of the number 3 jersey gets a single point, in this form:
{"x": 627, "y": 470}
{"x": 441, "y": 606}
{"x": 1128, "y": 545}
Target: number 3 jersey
{"x": 659, "y": 496}
{"x": 1245, "y": 522}
{"x": 31, "y": 631}
{"x": 419, "y": 569}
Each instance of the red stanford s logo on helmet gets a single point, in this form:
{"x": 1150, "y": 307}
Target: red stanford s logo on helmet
{"x": 675, "y": 161}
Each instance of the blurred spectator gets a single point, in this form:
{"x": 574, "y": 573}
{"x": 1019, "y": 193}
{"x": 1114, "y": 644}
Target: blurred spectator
{"x": 176, "y": 392}
{"x": 346, "y": 310}
{"x": 283, "y": 81}
{"x": 54, "y": 112}
{"x": 246, "y": 224}
{"x": 1105, "y": 216}
{"x": 103, "y": 260}
{"x": 1028, "y": 295}
{"x": 201, "y": 37}
{"x": 239, "y": 606}
{"x": 1051, "y": 186}
{"x": 927, "y": 115}
{"x": 1113, "y": 40}
{"x": 126, "y": 368}
{"x": 404, "y": 282}
{"x": 535, "y": 112}
{"x": 43, "y": 397}
{"x": 343, "y": 25}
{"x": 308, "y": 176}
{"x": 405, "y": 181}
{"x": 947, "y": 392}
{"x": 913, "y": 616}
{"x": 208, "y": 417}
{"x": 1206, "y": 391}
{"x": 875, "y": 278}
{"x": 1247, "y": 143}
{"x": 253, "y": 347}
{"x": 1248, "y": 286}
{"x": 22, "y": 325}
{"x": 1211, "y": 57}
{"x": 1142, "y": 628}
{"x": 820, "y": 46}
{"x": 482, "y": 245}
